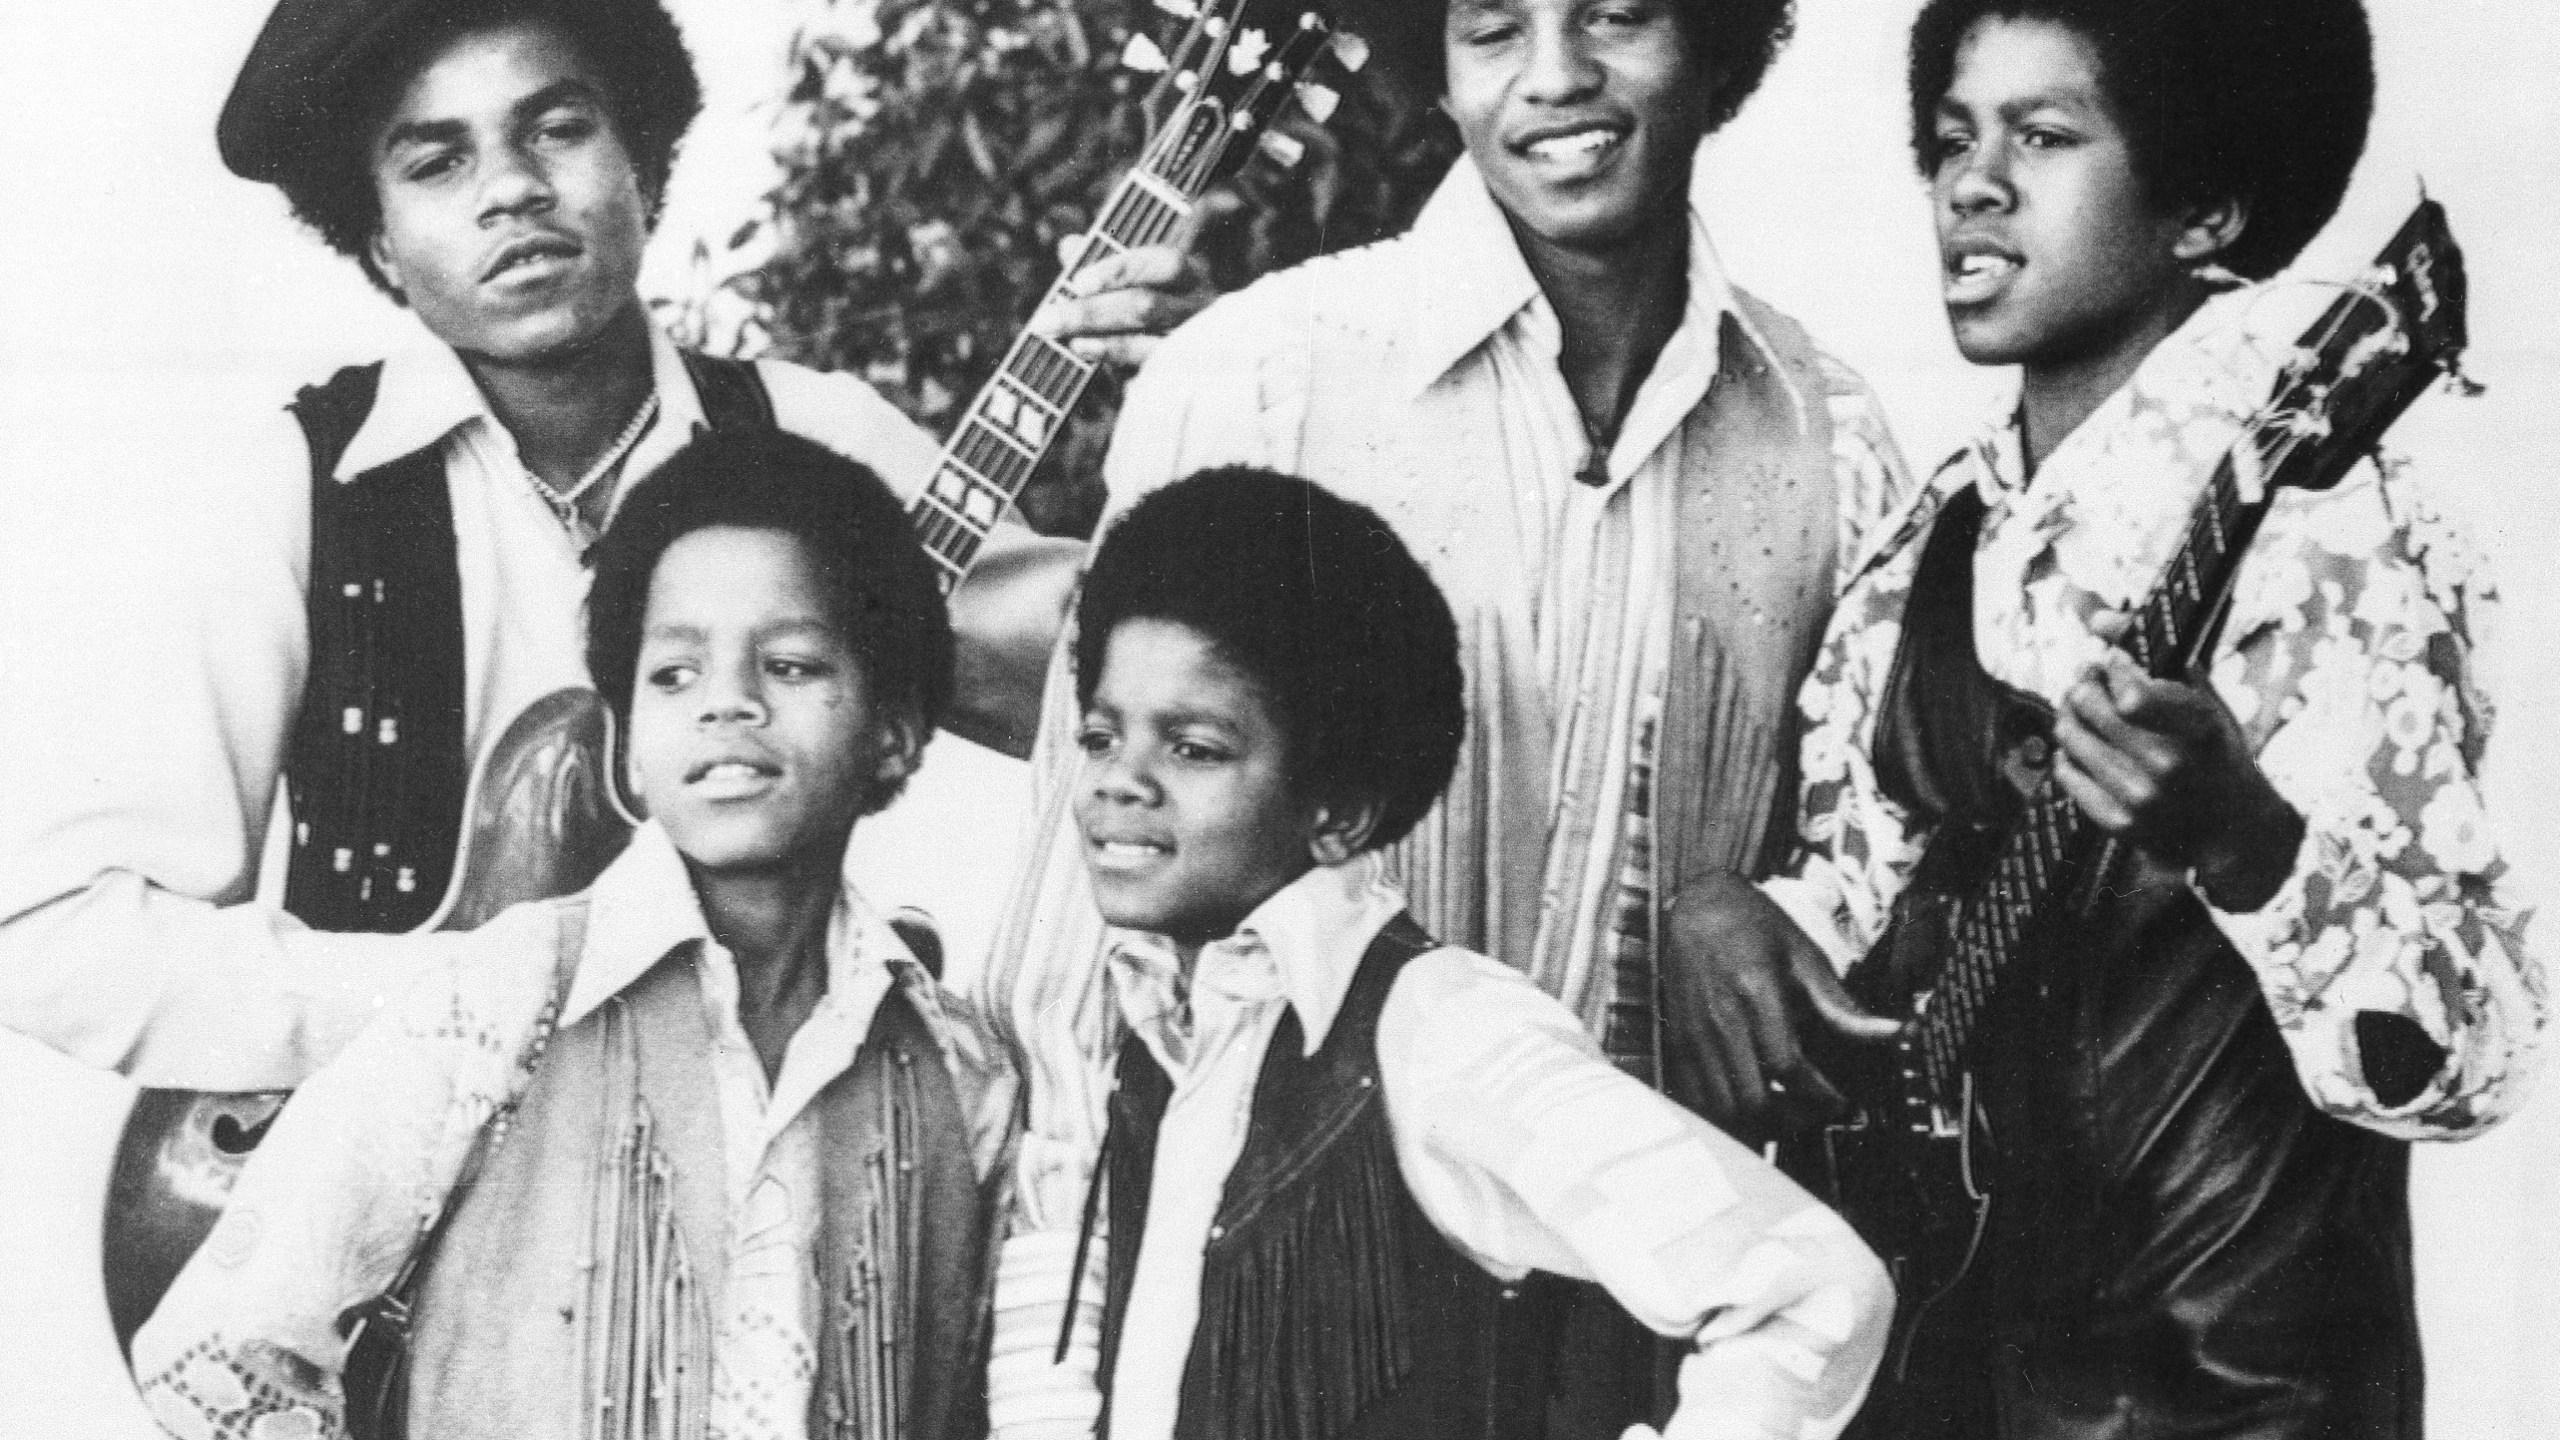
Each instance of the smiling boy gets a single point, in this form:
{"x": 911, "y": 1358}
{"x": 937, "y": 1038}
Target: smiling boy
{"x": 2199, "y": 1219}
{"x": 1339, "y": 1152}
{"x": 703, "y": 1149}
{"x": 1640, "y": 490}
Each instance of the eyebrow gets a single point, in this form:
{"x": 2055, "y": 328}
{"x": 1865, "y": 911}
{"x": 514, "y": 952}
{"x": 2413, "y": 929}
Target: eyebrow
{"x": 444, "y": 132}
{"x": 1950, "y": 108}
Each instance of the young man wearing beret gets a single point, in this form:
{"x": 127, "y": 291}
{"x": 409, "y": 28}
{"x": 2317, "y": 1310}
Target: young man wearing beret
{"x": 401, "y": 555}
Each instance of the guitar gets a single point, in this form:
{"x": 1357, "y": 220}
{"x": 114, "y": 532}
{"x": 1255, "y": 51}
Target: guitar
{"x": 544, "y": 813}
{"x": 1908, "y": 1166}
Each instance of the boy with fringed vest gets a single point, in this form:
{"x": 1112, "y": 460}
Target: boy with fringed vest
{"x": 704, "y": 1150}
{"x": 1339, "y": 1154}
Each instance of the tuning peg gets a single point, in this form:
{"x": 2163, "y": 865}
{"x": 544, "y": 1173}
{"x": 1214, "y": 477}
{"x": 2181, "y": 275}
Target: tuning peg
{"x": 1318, "y": 100}
{"x": 1350, "y": 51}
{"x": 1144, "y": 56}
{"x": 1184, "y": 8}
{"x": 1244, "y": 56}
{"x": 1287, "y": 150}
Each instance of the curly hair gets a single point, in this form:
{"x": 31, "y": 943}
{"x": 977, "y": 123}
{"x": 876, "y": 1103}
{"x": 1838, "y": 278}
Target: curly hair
{"x": 1319, "y": 604}
{"x": 650, "y": 92}
{"x": 1733, "y": 40}
{"x": 2265, "y": 102}
{"x": 880, "y": 586}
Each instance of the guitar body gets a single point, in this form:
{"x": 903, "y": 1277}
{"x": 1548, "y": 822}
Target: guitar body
{"x": 1909, "y": 1172}
{"x": 542, "y": 820}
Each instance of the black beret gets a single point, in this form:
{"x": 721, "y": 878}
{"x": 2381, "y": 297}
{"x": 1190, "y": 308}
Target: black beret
{"x": 291, "y": 88}
{"x": 287, "y": 91}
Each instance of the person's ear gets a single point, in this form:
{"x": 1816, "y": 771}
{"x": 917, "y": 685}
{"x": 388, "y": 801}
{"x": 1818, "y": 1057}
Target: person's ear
{"x": 1341, "y": 830}
{"x": 378, "y": 250}
{"x": 897, "y": 748}
{"x": 2211, "y": 230}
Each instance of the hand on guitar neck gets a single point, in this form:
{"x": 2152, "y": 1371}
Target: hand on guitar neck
{"x": 2163, "y": 766}
{"x": 1754, "y": 1014}
{"x": 1114, "y": 311}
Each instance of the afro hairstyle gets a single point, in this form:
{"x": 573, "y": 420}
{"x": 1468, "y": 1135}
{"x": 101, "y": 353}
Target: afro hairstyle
{"x": 1319, "y": 605}
{"x": 650, "y": 91}
{"x": 881, "y": 588}
{"x": 1735, "y": 40}
{"x": 2265, "y": 102}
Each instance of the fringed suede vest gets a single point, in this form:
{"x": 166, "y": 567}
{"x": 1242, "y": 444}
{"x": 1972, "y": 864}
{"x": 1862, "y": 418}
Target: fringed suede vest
{"x": 1330, "y": 1308}
{"x": 2180, "y": 1244}
{"x": 576, "y": 1290}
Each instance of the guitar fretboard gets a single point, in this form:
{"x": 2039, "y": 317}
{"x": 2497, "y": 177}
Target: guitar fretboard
{"x": 1016, "y": 416}
{"x": 2314, "y": 428}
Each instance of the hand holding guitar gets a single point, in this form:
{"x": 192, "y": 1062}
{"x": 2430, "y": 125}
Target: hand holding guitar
{"x": 1745, "y": 995}
{"x": 1115, "y": 310}
{"x": 2162, "y": 765}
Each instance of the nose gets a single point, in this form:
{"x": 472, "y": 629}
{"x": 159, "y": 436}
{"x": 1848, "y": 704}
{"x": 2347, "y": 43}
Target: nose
{"x": 515, "y": 183}
{"x": 734, "y": 695}
{"x": 1559, "y": 68}
{"x": 1116, "y": 777}
{"x": 1977, "y": 181}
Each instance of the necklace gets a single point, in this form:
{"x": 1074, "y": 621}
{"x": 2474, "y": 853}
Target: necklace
{"x": 563, "y": 504}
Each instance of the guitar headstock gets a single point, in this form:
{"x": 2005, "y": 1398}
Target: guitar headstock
{"x": 2401, "y": 325}
{"x": 1237, "y": 67}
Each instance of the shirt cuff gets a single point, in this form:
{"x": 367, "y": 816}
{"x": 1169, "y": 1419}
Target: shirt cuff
{"x": 1031, "y": 1393}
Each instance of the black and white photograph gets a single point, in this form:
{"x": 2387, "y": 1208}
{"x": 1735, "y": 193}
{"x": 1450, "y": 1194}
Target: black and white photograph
{"x": 1278, "y": 719}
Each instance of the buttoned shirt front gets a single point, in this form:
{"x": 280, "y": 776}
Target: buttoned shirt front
{"x": 1523, "y": 1146}
{"x": 140, "y": 871}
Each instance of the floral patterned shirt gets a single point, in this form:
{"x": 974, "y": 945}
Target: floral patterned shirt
{"x": 2348, "y": 661}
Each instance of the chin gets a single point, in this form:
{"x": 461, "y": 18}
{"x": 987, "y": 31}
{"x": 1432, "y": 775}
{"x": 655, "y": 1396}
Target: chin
{"x": 1982, "y": 342}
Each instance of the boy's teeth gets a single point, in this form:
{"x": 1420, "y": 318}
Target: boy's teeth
{"x": 1980, "y": 267}
{"x": 1581, "y": 142}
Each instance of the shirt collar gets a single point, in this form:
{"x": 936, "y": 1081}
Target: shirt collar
{"x": 1473, "y": 280}
{"x": 426, "y": 394}
{"x": 643, "y": 908}
{"x": 1314, "y": 931}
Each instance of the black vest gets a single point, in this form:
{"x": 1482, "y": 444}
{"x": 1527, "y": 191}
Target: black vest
{"x": 378, "y": 769}
{"x": 1329, "y": 1305}
{"x": 2181, "y": 1244}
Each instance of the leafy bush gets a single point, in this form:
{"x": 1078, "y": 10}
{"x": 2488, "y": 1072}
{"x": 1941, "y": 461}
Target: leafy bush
{"x": 935, "y": 152}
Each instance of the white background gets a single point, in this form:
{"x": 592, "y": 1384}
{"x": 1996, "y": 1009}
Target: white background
{"x": 147, "y": 299}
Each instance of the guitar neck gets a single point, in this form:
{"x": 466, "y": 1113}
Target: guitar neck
{"x": 1017, "y": 415}
{"x": 2172, "y": 637}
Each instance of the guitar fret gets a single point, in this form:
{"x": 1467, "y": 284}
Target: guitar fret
{"x": 966, "y": 497}
{"x": 987, "y": 457}
{"x": 1004, "y": 435}
{"x": 1161, "y": 193}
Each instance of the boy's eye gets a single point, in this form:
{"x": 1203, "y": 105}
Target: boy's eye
{"x": 432, "y": 166}
{"x": 1095, "y": 741}
{"x": 2043, "y": 138}
{"x": 671, "y": 677}
{"x": 1949, "y": 144}
{"x": 793, "y": 667}
{"x": 1198, "y": 752}
{"x": 566, "y": 129}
